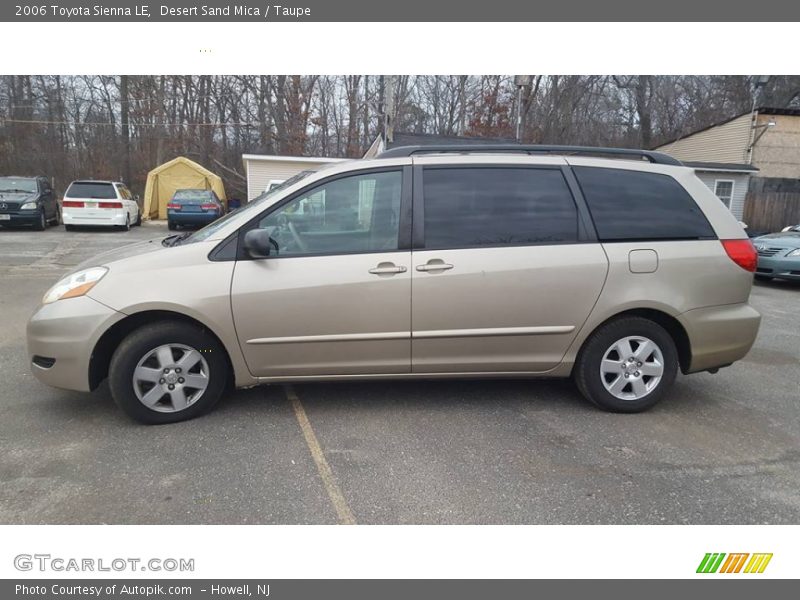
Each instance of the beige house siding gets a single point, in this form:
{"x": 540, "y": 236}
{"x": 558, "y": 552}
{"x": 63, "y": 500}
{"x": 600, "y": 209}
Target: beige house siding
{"x": 740, "y": 184}
{"x": 777, "y": 151}
{"x": 725, "y": 143}
{"x": 261, "y": 170}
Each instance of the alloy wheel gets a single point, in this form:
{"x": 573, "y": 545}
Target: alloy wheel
{"x": 170, "y": 378}
{"x": 632, "y": 367}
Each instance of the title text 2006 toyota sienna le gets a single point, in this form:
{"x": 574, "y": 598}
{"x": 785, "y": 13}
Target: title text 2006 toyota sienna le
{"x": 614, "y": 267}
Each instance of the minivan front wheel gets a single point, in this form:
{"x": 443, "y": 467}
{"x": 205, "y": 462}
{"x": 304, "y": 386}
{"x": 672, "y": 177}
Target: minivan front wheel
{"x": 627, "y": 365}
{"x": 167, "y": 372}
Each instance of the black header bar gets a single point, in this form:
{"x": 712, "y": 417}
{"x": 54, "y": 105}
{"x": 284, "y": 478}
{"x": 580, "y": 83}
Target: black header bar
{"x": 176, "y": 11}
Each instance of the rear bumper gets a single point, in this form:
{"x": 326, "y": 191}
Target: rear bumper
{"x": 720, "y": 335}
{"x": 192, "y": 218}
{"x": 22, "y": 217}
{"x": 784, "y": 268}
{"x": 113, "y": 219}
{"x": 67, "y": 331}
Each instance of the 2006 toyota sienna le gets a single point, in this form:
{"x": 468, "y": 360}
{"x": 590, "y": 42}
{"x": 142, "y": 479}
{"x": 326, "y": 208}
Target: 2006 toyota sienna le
{"x": 615, "y": 267}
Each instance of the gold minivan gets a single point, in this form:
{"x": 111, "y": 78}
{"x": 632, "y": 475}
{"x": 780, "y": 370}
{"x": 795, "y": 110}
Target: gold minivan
{"x": 615, "y": 267}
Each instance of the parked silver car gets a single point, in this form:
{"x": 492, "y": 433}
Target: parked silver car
{"x": 519, "y": 261}
{"x": 778, "y": 255}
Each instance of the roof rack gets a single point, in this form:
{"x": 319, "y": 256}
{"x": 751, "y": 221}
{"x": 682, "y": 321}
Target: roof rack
{"x": 658, "y": 158}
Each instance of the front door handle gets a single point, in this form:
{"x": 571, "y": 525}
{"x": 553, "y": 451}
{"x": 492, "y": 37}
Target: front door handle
{"x": 435, "y": 264}
{"x": 387, "y": 268}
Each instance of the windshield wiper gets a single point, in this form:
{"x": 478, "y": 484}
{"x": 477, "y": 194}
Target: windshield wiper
{"x": 174, "y": 240}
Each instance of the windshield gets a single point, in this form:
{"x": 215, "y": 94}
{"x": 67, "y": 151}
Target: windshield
{"x": 91, "y": 189}
{"x": 17, "y": 184}
{"x": 209, "y": 230}
{"x": 192, "y": 196}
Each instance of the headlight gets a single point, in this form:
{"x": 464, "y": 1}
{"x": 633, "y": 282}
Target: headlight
{"x": 28, "y": 206}
{"x": 75, "y": 285}
{"x": 795, "y": 252}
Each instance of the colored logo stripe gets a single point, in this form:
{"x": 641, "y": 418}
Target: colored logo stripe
{"x": 710, "y": 562}
{"x": 734, "y": 563}
{"x": 758, "y": 563}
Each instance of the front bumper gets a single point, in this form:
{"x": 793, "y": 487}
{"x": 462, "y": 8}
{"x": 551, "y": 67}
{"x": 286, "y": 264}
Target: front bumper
{"x": 720, "y": 335}
{"x": 67, "y": 331}
{"x": 22, "y": 217}
{"x": 779, "y": 266}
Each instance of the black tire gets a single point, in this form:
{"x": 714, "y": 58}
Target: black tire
{"x": 138, "y": 222}
{"x": 127, "y": 226}
{"x": 138, "y": 344}
{"x": 171, "y": 226}
{"x": 69, "y": 227}
{"x": 56, "y": 220}
{"x": 587, "y": 372}
{"x": 41, "y": 224}
{"x": 763, "y": 278}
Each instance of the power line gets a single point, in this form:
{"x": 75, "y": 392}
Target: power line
{"x": 132, "y": 124}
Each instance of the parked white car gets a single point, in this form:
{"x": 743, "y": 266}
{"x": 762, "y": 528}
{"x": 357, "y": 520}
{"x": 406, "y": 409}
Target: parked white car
{"x": 99, "y": 203}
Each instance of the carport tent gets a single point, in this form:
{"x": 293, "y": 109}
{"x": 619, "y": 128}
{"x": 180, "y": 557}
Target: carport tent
{"x": 177, "y": 174}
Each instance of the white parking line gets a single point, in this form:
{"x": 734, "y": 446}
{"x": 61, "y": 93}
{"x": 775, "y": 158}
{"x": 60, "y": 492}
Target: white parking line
{"x": 334, "y": 493}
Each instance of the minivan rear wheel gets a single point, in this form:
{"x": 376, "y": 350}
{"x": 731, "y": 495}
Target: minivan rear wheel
{"x": 627, "y": 365}
{"x": 167, "y": 372}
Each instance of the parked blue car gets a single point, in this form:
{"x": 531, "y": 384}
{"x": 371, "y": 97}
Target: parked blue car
{"x": 778, "y": 255}
{"x": 193, "y": 208}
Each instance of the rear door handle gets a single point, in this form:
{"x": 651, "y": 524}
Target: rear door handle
{"x": 435, "y": 264}
{"x": 387, "y": 268}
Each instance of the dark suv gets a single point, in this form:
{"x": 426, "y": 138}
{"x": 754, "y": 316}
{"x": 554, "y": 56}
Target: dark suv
{"x": 28, "y": 201}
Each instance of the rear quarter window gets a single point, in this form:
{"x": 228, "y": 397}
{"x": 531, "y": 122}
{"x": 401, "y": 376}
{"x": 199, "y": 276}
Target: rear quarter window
{"x": 635, "y": 205}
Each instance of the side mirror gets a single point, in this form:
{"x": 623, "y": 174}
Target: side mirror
{"x": 258, "y": 243}
{"x": 136, "y": 197}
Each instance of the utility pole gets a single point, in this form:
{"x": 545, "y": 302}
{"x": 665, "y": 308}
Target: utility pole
{"x": 388, "y": 116}
{"x": 521, "y": 81}
{"x": 126, "y": 133}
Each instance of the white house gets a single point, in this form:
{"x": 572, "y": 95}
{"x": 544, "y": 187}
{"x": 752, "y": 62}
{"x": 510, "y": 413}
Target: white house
{"x": 264, "y": 171}
{"x": 729, "y": 182}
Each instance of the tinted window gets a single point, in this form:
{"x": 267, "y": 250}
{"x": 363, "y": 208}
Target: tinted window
{"x": 468, "y": 207}
{"x": 634, "y": 205}
{"x": 91, "y": 189}
{"x": 352, "y": 214}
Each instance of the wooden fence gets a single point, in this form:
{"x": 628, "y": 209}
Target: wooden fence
{"x": 771, "y": 211}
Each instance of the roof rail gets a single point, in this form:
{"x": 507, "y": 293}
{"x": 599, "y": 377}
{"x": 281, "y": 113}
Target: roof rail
{"x": 654, "y": 157}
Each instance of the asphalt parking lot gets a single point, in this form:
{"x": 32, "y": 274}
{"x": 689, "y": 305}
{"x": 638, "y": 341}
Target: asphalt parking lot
{"x": 724, "y": 448}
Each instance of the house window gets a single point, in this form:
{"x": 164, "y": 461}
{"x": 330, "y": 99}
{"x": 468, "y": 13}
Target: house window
{"x": 723, "y": 188}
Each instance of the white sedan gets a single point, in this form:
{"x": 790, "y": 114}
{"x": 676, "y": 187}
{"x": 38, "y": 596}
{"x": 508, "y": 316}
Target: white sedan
{"x": 99, "y": 203}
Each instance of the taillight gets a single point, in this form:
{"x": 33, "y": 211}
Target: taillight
{"x": 72, "y": 204}
{"x": 173, "y": 206}
{"x": 110, "y": 205}
{"x": 208, "y": 206}
{"x": 742, "y": 252}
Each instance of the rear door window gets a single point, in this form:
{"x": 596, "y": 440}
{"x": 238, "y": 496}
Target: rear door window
{"x": 490, "y": 206}
{"x": 91, "y": 189}
{"x": 636, "y": 205}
